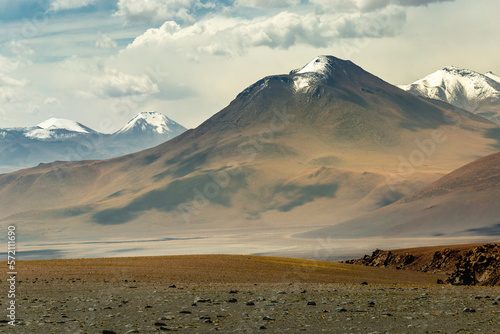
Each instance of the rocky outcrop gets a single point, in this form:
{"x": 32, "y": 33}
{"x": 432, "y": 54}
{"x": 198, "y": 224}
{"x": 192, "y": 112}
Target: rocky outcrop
{"x": 478, "y": 266}
{"x": 475, "y": 265}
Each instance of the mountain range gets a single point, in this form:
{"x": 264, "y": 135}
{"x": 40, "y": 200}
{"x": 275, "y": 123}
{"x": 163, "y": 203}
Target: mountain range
{"x": 324, "y": 144}
{"x": 463, "y": 88}
{"x": 66, "y": 140}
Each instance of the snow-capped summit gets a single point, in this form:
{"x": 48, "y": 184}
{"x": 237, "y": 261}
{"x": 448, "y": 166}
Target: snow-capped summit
{"x": 315, "y": 70}
{"x": 152, "y": 122}
{"x": 65, "y": 140}
{"x": 57, "y": 129}
{"x": 460, "y": 87}
{"x": 318, "y": 65}
{"x": 63, "y": 124}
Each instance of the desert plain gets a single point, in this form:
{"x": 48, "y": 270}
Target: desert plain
{"x": 241, "y": 294}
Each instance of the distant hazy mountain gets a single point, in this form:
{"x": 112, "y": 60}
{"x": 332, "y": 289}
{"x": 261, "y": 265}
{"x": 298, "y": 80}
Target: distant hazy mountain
{"x": 466, "y": 89}
{"x": 313, "y": 147}
{"x": 147, "y": 129}
{"x": 465, "y": 202}
{"x": 67, "y": 140}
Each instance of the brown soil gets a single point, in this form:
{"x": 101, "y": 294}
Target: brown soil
{"x": 215, "y": 269}
{"x": 204, "y": 294}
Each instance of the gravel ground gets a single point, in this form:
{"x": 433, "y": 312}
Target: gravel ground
{"x": 85, "y": 306}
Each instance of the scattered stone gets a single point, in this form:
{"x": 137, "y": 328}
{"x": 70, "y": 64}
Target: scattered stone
{"x": 203, "y": 301}
{"x": 387, "y": 314}
{"x": 364, "y": 283}
{"x": 311, "y": 303}
{"x": 494, "y": 303}
{"x": 233, "y": 291}
{"x": 340, "y": 309}
{"x": 172, "y": 286}
{"x": 250, "y": 304}
{"x": 160, "y": 324}
{"x": 281, "y": 293}
{"x": 166, "y": 329}
{"x": 268, "y": 318}
{"x": 468, "y": 310}
{"x": 371, "y": 304}
{"x": 262, "y": 327}
{"x": 91, "y": 309}
{"x": 185, "y": 312}
{"x": 105, "y": 331}
{"x": 232, "y": 300}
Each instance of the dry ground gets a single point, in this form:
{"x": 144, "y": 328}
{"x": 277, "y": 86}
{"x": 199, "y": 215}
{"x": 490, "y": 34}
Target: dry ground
{"x": 203, "y": 294}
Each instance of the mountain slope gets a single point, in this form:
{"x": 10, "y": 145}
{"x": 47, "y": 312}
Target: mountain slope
{"x": 463, "y": 88}
{"x": 464, "y": 202}
{"x": 308, "y": 148}
{"x": 66, "y": 140}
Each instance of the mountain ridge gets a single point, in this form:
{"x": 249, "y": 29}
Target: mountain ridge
{"x": 269, "y": 159}
{"x": 62, "y": 139}
{"x": 464, "y": 88}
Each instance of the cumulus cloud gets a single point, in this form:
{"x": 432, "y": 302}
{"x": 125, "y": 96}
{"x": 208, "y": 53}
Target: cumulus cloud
{"x": 69, "y": 4}
{"x": 118, "y": 84}
{"x": 224, "y": 36}
{"x": 105, "y": 42}
{"x": 382, "y": 23}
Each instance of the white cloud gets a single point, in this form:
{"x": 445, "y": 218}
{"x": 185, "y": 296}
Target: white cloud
{"x": 7, "y": 65}
{"x": 418, "y": 2}
{"x": 227, "y": 36}
{"x": 266, "y": 3}
{"x": 51, "y": 101}
{"x": 19, "y": 48}
{"x": 69, "y": 4}
{"x": 118, "y": 84}
{"x": 6, "y": 80}
{"x": 339, "y": 6}
{"x": 155, "y": 10}
{"x": 6, "y": 95}
{"x": 105, "y": 42}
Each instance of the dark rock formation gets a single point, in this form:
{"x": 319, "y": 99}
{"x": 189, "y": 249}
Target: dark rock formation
{"x": 475, "y": 265}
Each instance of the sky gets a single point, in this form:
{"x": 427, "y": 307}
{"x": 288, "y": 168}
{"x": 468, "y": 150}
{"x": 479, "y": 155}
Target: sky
{"x": 102, "y": 62}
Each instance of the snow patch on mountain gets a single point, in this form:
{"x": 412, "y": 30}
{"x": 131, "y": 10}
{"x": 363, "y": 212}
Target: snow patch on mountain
{"x": 460, "y": 87}
{"x": 62, "y": 124}
{"x": 493, "y": 76}
{"x": 56, "y": 129}
{"x": 315, "y": 70}
{"x": 318, "y": 65}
